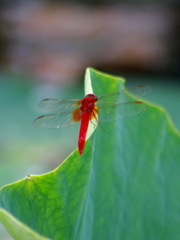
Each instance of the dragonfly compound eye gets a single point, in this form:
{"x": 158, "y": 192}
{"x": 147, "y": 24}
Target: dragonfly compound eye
{"x": 92, "y": 96}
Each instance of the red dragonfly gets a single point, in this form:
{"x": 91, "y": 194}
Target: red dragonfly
{"x": 104, "y": 108}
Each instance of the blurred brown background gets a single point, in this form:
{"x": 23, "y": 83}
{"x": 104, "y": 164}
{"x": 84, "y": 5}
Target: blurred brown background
{"x": 56, "y": 40}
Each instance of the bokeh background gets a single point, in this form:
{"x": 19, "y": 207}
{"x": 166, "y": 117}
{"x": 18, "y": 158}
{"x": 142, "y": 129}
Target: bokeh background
{"x": 45, "y": 47}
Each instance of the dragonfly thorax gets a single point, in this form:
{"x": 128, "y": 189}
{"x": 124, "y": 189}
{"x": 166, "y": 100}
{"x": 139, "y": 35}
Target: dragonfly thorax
{"x": 88, "y": 102}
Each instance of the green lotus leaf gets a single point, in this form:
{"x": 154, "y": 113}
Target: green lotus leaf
{"x": 124, "y": 186}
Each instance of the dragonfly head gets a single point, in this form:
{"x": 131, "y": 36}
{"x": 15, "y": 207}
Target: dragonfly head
{"x": 92, "y": 96}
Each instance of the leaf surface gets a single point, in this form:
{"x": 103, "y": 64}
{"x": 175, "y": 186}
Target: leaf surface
{"x": 17, "y": 229}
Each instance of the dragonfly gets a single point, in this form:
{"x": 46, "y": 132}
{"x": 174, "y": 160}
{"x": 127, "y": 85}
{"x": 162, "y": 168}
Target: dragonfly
{"x": 104, "y": 108}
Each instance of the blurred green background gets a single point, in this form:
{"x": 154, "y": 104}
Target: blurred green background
{"x": 45, "y": 47}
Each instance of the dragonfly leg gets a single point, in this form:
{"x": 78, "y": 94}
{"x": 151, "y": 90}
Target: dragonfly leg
{"x": 94, "y": 115}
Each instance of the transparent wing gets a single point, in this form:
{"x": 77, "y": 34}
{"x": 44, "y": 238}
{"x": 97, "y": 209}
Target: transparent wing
{"x": 126, "y": 95}
{"x": 121, "y": 110}
{"x": 55, "y": 105}
{"x": 55, "y": 120}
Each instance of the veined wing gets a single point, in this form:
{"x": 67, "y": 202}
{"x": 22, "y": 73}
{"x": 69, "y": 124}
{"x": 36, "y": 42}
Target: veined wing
{"x": 124, "y": 96}
{"x": 55, "y": 105}
{"x": 116, "y": 111}
{"x": 58, "y": 120}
